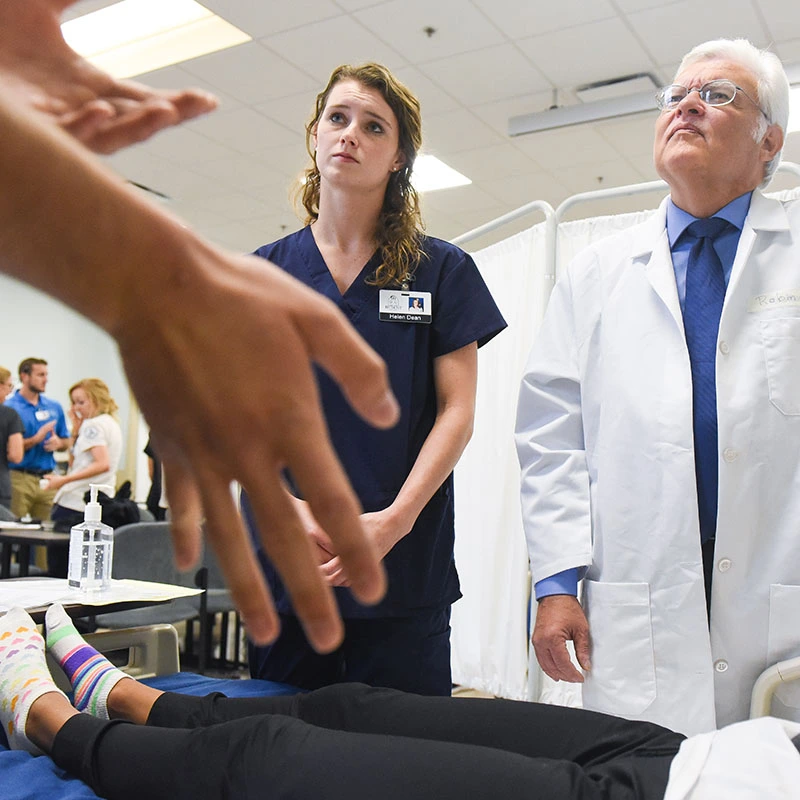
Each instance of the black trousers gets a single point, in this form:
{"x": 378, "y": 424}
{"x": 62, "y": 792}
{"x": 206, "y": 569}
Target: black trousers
{"x": 358, "y": 743}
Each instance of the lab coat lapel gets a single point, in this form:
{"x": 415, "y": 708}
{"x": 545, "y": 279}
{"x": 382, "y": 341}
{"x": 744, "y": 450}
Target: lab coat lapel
{"x": 766, "y": 215}
{"x": 651, "y": 249}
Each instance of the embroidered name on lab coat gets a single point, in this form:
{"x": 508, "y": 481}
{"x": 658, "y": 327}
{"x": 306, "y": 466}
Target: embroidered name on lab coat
{"x": 783, "y": 297}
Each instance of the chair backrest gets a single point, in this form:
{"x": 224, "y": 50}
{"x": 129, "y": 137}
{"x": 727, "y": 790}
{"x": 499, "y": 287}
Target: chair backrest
{"x": 143, "y": 551}
{"x": 218, "y": 597}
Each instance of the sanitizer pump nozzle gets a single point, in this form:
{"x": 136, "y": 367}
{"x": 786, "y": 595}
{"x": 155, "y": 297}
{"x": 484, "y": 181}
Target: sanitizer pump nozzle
{"x": 91, "y": 547}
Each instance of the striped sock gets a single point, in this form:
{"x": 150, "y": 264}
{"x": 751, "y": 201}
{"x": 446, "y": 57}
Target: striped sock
{"x": 91, "y": 674}
{"x": 24, "y": 676}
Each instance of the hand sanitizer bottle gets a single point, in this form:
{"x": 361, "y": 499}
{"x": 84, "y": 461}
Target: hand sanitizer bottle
{"x": 91, "y": 547}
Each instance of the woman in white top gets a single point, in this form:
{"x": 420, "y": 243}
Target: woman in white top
{"x": 95, "y": 453}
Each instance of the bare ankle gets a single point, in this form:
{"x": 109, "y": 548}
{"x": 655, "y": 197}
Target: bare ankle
{"x": 131, "y": 701}
{"x": 46, "y": 717}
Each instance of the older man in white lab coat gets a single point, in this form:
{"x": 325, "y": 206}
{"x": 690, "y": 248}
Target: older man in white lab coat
{"x": 627, "y": 482}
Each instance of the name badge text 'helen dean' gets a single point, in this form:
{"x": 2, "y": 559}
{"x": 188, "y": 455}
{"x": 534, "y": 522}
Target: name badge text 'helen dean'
{"x": 396, "y": 305}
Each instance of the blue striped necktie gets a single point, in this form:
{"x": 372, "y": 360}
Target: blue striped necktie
{"x": 705, "y": 294}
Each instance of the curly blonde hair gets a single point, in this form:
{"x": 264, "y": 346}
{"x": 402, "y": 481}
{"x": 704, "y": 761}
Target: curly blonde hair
{"x": 99, "y": 393}
{"x": 400, "y": 223}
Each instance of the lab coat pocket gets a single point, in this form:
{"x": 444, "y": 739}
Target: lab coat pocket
{"x": 623, "y": 679}
{"x": 780, "y": 339}
{"x": 784, "y": 636}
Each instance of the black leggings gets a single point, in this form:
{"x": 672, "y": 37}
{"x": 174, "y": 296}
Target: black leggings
{"x": 353, "y": 742}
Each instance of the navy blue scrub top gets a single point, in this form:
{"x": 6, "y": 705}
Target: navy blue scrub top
{"x": 420, "y": 567}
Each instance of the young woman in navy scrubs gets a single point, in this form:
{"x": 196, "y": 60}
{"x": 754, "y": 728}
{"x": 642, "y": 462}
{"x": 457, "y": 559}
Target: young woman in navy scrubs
{"x": 422, "y": 304}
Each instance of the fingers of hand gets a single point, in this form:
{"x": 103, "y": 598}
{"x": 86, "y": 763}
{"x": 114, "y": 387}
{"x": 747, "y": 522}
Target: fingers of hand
{"x": 583, "y": 648}
{"x": 193, "y": 103}
{"x": 230, "y": 541}
{"x": 136, "y": 124}
{"x": 284, "y": 539}
{"x": 357, "y": 368}
{"x": 185, "y": 513}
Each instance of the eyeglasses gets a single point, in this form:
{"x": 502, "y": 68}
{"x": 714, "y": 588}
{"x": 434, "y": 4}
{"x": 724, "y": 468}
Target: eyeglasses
{"x": 720, "y": 92}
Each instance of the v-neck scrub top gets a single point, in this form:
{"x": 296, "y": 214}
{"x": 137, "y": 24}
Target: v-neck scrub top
{"x": 420, "y": 567}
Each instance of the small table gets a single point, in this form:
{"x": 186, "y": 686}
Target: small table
{"x": 130, "y": 596}
{"x": 25, "y": 537}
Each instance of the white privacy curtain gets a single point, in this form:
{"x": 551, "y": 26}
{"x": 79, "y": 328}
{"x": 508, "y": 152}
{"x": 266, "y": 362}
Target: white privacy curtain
{"x": 489, "y": 640}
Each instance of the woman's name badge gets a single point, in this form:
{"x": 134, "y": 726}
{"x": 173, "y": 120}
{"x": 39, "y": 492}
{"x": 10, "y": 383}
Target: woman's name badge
{"x": 401, "y": 306}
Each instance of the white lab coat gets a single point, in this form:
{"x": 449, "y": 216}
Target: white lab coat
{"x": 753, "y": 760}
{"x": 605, "y": 441}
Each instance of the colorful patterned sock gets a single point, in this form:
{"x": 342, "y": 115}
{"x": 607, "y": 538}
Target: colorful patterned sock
{"x": 92, "y": 675}
{"x": 24, "y": 676}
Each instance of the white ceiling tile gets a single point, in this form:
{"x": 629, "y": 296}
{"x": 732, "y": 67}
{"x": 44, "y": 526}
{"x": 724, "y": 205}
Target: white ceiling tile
{"x": 630, "y": 135}
{"x": 486, "y": 163}
{"x": 184, "y": 146}
{"x": 261, "y": 19}
{"x": 580, "y": 144}
{"x": 292, "y": 112}
{"x": 788, "y": 52}
{"x": 199, "y": 219}
{"x": 432, "y": 98}
{"x": 460, "y": 198}
{"x": 608, "y": 49}
{"x": 231, "y": 205}
{"x": 520, "y": 19}
{"x": 643, "y": 164}
{"x": 355, "y": 5}
{"x": 498, "y": 113}
{"x": 671, "y": 31}
{"x": 289, "y": 160}
{"x": 517, "y": 190}
{"x": 244, "y": 172}
{"x": 251, "y": 73}
{"x": 456, "y": 131}
{"x": 630, "y": 6}
{"x": 782, "y": 18}
{"x": 459, "y": 27}
{"x": 244, "y": 130}
{"x": 589, "y": 177}
{"x": 487, "y": 75}
{"x": 443, "y": 226}
{"x": 319, "y": 48}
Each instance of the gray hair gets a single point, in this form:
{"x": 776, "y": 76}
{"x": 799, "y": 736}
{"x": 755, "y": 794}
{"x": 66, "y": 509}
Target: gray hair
{"x": 772, "y": 85}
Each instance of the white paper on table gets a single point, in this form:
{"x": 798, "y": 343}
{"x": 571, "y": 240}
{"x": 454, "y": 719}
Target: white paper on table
{"x": 37, "y": 592}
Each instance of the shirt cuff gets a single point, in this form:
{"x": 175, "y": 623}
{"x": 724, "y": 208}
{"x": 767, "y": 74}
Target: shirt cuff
{"x": 565, "y": 582}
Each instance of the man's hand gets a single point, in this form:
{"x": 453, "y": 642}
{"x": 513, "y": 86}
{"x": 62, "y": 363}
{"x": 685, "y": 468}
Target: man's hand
{"x": 106, "y": 114}
{"x": 46, "y": 430}
{"x": 560, "y": 618}
{"x": 221, "y": 369}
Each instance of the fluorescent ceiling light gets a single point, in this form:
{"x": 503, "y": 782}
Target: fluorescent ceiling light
{"x": 563, "y": 116}
{"x": 431, "y": 174}
{"x": 137, "y": 36}
{"x": 794, "y": 110}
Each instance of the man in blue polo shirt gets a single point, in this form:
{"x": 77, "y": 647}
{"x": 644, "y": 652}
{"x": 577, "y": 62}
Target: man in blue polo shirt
{"x": 45, "y": 432}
